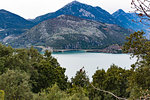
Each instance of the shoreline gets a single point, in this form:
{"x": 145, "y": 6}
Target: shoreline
{"x": 88, "y": 50}
{"x": 114, "y": 49}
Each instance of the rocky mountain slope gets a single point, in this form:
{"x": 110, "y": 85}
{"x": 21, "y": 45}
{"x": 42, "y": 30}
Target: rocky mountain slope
{"x": 85, "y": 11}
{"x": 81, "y": 10}
{"x": 12, "y": 24}
{"x": 69, "y": 32}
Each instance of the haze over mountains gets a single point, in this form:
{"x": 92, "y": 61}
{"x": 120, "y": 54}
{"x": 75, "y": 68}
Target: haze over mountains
{"x": 74, "y": 24}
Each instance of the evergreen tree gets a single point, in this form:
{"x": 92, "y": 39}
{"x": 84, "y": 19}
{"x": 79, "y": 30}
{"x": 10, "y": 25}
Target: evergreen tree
{"x": 16, "y": 85}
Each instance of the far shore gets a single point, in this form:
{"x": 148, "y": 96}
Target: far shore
{"x": 87, "y": 50}
{"x": 115, "y": 49}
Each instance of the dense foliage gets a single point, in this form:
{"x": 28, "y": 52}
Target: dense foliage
{"x": 29, "y": 71}
{"x": 139, "y": 81}
{"x": 25, "y": 74}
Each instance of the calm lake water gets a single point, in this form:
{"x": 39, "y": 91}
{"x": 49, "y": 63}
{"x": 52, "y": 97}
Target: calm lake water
{"x": 75, "y": 60}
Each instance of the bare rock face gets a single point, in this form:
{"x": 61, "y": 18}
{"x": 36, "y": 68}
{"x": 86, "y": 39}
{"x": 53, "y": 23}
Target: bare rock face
{"x": 69, "y": 32}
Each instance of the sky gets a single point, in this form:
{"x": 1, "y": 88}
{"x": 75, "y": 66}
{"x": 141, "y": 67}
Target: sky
{"x": 30, "y": 9}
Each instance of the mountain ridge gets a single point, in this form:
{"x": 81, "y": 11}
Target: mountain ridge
{"x": 12, "y": 24}
{"x": 130, "y": 21}
{"x": 81, "y": 10}
{"x": 70, "y": 32}
{"x": 89, "y": 12}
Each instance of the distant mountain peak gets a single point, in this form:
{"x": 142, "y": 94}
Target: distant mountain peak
{"x": 3, "y": 10}
{"x": 126, "y": 20}
{"x": 75, "y": 1}
{"x": 120, "y": 11}
{"x": 80, "y": 10}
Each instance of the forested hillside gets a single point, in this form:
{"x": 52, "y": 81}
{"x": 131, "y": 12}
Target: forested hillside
{"x": 69, "y": 32}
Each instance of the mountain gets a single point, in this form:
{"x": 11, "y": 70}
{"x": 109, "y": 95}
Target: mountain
{"x": 69, "y": 32}
{"x": 12, "y": 24}
{"x": 85, "y": 11}
{"x": 130, "y": 21}
{"x": 81, "y": 10}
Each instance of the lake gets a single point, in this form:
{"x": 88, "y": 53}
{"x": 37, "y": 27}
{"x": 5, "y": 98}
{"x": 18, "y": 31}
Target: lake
{"x": 74, "y": 60}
